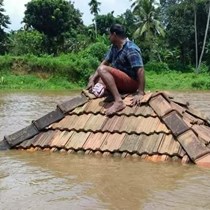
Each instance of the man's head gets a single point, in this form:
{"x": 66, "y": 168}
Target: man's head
{"x": 117, "y": 32}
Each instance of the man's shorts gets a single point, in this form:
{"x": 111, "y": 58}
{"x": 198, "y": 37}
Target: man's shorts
{"x": 124, "y": 83}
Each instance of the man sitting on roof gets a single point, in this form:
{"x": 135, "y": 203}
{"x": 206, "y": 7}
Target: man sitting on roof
{"x": 120, "y": 72}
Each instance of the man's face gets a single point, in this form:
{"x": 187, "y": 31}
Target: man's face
{"x": 112, "y": 37}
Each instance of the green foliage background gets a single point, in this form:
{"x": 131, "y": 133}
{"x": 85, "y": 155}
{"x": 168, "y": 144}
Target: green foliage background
{"x": 55, "y": 49}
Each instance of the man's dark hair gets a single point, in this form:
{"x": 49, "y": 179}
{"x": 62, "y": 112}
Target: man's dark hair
{"x": 119, "y": 30}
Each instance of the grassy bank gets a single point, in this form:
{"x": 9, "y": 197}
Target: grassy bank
{"x": 154, "y": 81}
{"x": 173, "y": 80}
{"x": 34, "y": 82}
{"x": 72, "y": 71}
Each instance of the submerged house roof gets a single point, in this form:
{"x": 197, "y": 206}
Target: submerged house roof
{"x": 160, "y": 129}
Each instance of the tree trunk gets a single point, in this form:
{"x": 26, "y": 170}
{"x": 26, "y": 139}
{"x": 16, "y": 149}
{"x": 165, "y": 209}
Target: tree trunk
{"x": 204, "y": 41}
{"x": 196, "y": 38}
{"x": 96, "y": 28}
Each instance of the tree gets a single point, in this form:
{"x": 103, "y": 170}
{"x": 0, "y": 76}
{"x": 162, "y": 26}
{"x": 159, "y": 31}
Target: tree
{"x": 148, "y": 25}
{"x": 185, "y": 23}
{"x": 179, "y": 25}
{"x": 94, "y": 9}
{"x": 4, "y": 22}
{"x": 205, "y": 38}
{"x": 147, "y": 19}
{"x": 26, "y": 42}
{"x": 196, "y": 35}
{"x": 105, "y": 21}
{"x": 128, "y": 21}
{"x": 57, "y": 19}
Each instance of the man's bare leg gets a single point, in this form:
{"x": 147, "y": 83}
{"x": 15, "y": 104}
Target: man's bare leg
{"x": 108, "y": 80}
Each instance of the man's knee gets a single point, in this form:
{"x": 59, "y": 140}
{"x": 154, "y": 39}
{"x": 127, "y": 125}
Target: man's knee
{"x": 102, "y": 69}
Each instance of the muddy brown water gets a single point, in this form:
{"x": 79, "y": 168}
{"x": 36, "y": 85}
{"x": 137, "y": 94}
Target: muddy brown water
{"x": 43, "y": 180}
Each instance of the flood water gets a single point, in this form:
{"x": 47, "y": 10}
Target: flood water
{"x": 44, "y": 180}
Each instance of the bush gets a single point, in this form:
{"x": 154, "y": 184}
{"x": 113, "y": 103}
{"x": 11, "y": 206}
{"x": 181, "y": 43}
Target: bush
{"x": 96, "y": 50}
{"x": 157, "y": 66}
{"x": 6, "y": 62}
{"x": 26, "y": 42}
{"x": 77, "y": 67}
{"x": 202, "y": 83}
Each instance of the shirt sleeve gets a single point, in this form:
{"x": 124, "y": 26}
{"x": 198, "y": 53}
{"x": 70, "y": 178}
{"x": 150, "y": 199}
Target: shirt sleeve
{"x": 135, "y": 59}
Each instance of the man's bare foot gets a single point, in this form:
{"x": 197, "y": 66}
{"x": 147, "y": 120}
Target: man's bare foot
{"x": 116, "y": 107}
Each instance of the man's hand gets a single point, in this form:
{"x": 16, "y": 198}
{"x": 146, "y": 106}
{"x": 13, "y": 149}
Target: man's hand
{"x": 137, "y": 100}
{"x": 90, "y": 85}
{"x": 90, "y": 82}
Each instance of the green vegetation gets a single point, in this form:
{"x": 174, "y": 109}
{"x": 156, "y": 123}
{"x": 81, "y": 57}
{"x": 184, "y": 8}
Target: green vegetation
{"x": 177, "y": 81}
{"x": 71, "y": 71}
{"x": 33, "y": 82}
{"x": 55, "y": 50}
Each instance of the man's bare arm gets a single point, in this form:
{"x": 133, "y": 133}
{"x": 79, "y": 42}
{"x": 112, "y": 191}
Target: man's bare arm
{"x": 141, "y": 81}
{"x": 94, "y": 77}
{"x": 140, "y": 92}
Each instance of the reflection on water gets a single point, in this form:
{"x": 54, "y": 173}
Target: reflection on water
{"x": 44, "y": 180}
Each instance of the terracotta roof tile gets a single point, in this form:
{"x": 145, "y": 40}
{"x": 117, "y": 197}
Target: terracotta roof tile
{"x": 77, "y": 140}
{"x": 178, "y": 108}
{"x": 169, "y": 146}
{"x": 130, "y": 124}
{"x": 147, "y": 144}
{"x": 175, "y": 123}
{"x": 144, "y": 111}
{"x": 203, "y": 132}
{"x": 143, "y": 146}
{"x": 108, "y": 122}
{"x": 94, "y": 141}
{"x": 26, "y": 144}
{"x": 94, "y": 123}
{"x": 132, "y": 142}
{"x": 44, "y": 139}
{"x": 80, "y": 109}
{"x": 182, "y": 152}
{"x": 112, "y": 142}
{"x": 156, "y": 126}
{"x": 95, "y": 106}
{"x": 192, "y": 145}
{"x": 204, "y": 161}
{"x": 65, "y": 122}
{"x": 72, "y": 103}
{"x": 127, "y": 111}
{"x": 191, "y": 120}
{"x": 156, "y": 143}
{"x": 61, "y": 138}
{"x": 160, "y": 105}
{"x": 147, "y": 97}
